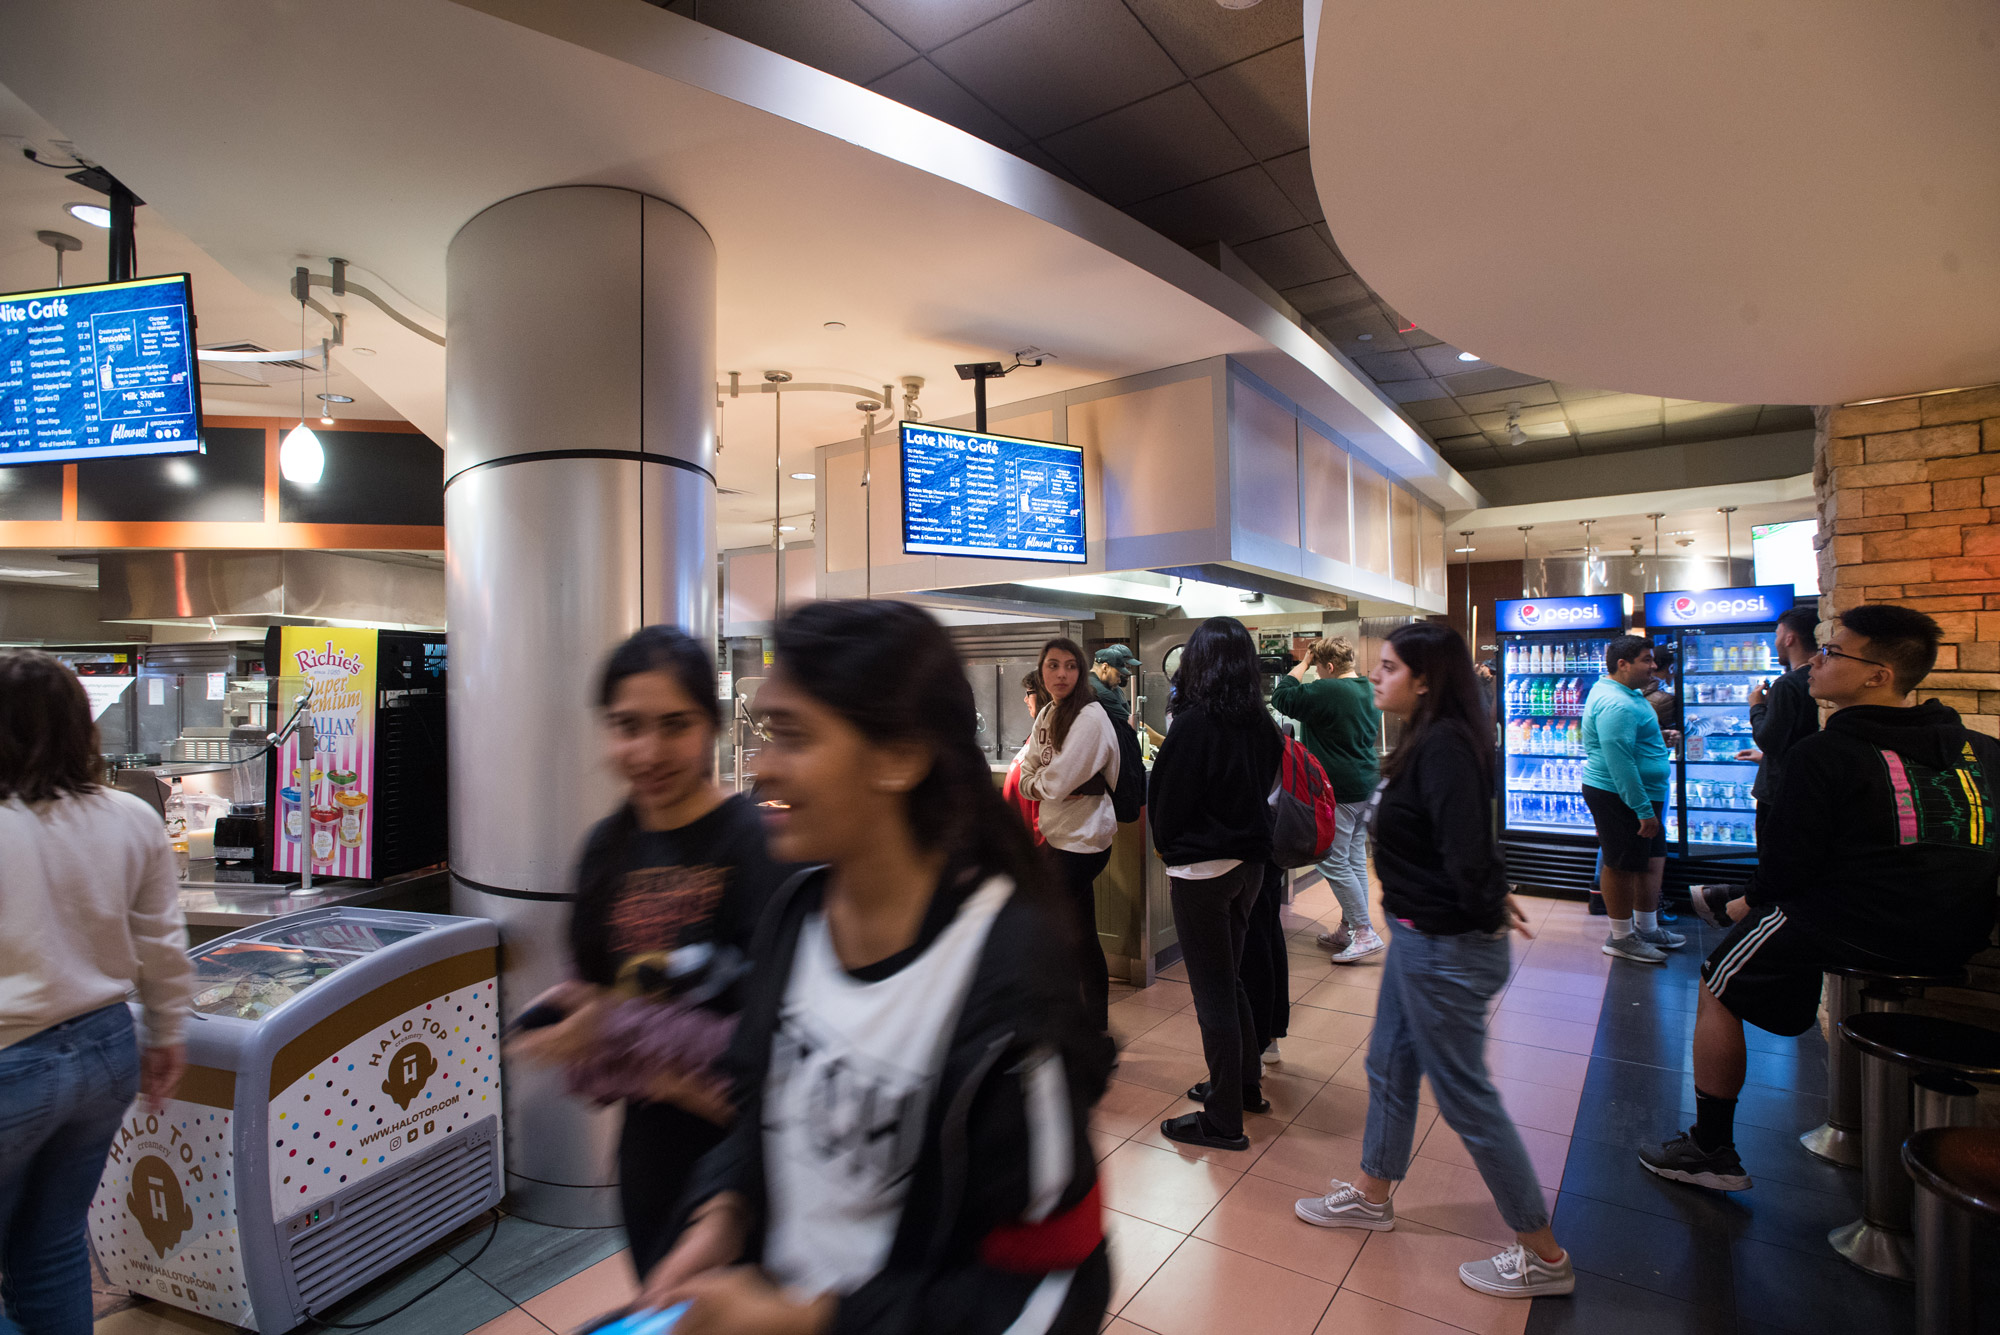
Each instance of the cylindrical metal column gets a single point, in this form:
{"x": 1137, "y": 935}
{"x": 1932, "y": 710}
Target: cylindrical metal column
{"x": 1942, "y": 1100}
{"x": 1838, "y": 1139}
{"x": 1879, "y": 1241}
{"x": 579, "y": 506}
{"x": 1944, "y": 1266}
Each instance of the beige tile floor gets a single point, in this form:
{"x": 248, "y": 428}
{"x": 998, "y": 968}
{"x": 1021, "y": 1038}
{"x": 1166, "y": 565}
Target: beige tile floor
{"x": 1206, "y": 1241}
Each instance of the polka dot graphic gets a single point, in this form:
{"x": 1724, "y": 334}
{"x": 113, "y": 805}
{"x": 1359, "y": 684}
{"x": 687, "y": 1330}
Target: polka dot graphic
{"x": 163, "y": 1221}
{"x": 414, "y": 1075}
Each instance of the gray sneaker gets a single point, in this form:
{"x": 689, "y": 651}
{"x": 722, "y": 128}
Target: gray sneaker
{"x": 1346, "y": 1207}
{"x": 1634, "y": 948}
{"x": 1519, "y": 1273}
{"x": 1660, "y": 938}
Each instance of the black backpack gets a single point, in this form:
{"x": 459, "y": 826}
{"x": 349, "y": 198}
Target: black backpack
{"x": 1128, "y": 799}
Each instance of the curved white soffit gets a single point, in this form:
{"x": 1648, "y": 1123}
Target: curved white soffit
{"x": 1742, "y": 201}
{"x": 412, "y": 115}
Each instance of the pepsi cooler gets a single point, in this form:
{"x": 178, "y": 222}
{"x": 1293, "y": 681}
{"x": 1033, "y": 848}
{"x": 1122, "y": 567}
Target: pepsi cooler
{"x": 340, "y": 1113}
{"x": 1551, "y": 654}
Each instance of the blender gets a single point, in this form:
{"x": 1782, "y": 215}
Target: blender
{"x": 244, "y": 835}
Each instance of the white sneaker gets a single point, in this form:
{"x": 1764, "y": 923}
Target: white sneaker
{"x": 1365, "y": 943}
{"x": 1519, "y": 1273}
{"x": 1269, "y": 1056}
{"x": 1346, "y": 1207}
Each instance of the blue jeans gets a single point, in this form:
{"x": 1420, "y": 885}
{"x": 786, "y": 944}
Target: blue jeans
{"x": 1345, "y": 865}
{"x": 1431, "y": 1020}
{"x": 62, "y": 1095}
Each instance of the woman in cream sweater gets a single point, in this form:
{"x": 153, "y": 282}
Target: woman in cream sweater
{"x": 89, "y": 911}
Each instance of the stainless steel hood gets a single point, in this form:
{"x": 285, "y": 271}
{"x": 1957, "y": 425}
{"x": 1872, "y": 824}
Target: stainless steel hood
{"x": 272, "y": 588}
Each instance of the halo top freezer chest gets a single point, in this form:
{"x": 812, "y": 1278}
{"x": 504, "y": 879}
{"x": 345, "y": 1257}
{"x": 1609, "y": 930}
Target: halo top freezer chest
{"x": 340, "y": 1113}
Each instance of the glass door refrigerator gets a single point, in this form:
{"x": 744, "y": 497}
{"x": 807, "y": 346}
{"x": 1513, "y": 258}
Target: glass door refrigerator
{"x": 1551, "y": 654}
{"x": 1724, "y": 647}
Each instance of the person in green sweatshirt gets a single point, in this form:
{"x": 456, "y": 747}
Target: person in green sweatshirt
{"x": 1339, "y": 723}
{"x": 1625, "y": 773}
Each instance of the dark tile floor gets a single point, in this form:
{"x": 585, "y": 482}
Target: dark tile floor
{"x": 1656, "y": 1256}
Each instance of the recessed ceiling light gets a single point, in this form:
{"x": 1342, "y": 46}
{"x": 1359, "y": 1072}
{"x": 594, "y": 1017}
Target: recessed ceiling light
{"x": 1458, "y": 550}
{"x": 834, "y": 325}
{"x": 1468, "y": 356}
{"x": 1679, "y": 532}
{"x": 335, "y": 398}
{"x": 1364, "y": 338}
{"x": 804, "y": 477}
{"x": 788, "y": 528}
{"x": 94, "y": 214}
{"x": 362, "y": 352}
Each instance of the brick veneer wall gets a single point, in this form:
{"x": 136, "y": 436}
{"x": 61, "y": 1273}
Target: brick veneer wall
{"x": 1909, "y": 512}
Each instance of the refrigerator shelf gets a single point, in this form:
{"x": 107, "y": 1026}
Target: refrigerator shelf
{"x": 1772, "y": 670}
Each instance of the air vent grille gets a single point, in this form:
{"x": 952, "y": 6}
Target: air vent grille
{"x": 394, "y": 1216}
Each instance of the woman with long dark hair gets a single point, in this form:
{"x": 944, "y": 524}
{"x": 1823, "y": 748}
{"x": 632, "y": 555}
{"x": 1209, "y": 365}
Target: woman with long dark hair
{"x": 911, "y": 1151}
{"x": 1209, "y": 805}
{"x": 681, "y": 863}
{"x": 1069, "y": 765}
{"x": 1444, "y": 883}
{"x": 89, "y": 912}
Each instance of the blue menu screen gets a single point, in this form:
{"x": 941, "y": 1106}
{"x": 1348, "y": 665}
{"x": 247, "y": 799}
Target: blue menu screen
{"x": 99, "y": 371}
{"x": 966, "y": 493}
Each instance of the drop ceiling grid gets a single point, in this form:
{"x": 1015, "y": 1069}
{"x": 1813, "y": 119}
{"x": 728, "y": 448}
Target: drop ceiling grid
{"x": 1192, "y": 119}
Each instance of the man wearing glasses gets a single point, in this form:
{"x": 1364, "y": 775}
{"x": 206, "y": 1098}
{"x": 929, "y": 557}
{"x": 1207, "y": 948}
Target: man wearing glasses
{"x": 1880, "y": 853}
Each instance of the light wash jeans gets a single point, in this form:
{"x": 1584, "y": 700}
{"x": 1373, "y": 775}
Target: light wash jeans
{"x": 1346, "y": 864}
{"x": 1431, "y": 1020}
{"x": 62, "y": 1094}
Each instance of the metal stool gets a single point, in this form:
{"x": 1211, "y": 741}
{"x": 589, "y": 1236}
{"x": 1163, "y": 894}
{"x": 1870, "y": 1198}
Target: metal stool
{"x": 1945, "y": 1054}
{"x": 1957, "y": 1176}
{"x": 1838, "y": 1139}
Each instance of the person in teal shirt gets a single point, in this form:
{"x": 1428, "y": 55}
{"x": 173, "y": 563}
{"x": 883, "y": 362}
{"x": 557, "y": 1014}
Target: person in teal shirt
{"x": 1625, "y": 773}
{"x": 1340, "y": 725}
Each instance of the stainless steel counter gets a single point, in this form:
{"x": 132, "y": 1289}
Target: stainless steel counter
{"x": 214, "y": 907}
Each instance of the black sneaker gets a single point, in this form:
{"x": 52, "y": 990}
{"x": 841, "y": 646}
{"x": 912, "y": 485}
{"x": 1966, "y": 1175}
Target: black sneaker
{"x": 1711, "y": 904}
{"x": 1188, "y": 1130}
{"x": 1255, "y": 1103}
{"x": 1682, "y": 1160}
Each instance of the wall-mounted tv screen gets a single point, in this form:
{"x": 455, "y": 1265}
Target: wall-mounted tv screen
{"x": 969, "y": 493}
{"x": 1783, "y": 554}
{"x": 99, "y": 371}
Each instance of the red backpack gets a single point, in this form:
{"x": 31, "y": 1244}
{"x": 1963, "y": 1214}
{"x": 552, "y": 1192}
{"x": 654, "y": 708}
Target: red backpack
{"x": 1302, "y": 809}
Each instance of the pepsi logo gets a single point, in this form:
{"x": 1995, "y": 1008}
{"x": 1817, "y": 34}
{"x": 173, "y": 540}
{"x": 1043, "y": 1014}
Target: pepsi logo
{"x": 1530, "y": 613}
{"x": 1683, "y": 606}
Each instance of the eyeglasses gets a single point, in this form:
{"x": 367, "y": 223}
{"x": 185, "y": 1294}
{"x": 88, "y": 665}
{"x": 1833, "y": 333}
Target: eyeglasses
{"x": 1828, "y": 651}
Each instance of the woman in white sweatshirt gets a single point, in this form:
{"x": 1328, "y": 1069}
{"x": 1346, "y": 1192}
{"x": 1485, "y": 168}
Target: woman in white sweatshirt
{"x": 1069, "y": 764}
{"x": 89, "y": 910}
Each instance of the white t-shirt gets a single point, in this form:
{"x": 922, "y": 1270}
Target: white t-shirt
{"x": 854, "y": 1068}
{"x": 1205, "y": 871}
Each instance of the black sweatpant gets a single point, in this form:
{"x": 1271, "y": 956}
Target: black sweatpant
{"x": 1077, "y": 875}
{"x": 1212, "y": 918}
{"x": 656, "y": 1156}
{"x": 1266, "y": 980}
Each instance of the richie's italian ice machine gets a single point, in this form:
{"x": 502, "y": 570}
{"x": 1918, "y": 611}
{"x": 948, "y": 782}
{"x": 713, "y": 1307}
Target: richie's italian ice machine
{"x": 340, "y": 1112}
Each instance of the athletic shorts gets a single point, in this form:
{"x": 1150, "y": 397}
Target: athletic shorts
{"x": 1625, "y": 849}
{"x": 1768, "y": 971}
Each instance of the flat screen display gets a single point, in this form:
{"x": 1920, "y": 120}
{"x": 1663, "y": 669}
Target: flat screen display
{"x": 968, "y": 493}
{"x": 99, "y": 372}
{"x": 1783, "y": 554}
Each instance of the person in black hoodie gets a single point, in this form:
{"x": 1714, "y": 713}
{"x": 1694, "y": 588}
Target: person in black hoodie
{"x": 1208, "y": 800}
{"x": 1445, "y": 885}
{"x": 913, "y": 1077}
{"x": 1880, "y": 854}
{"x": 681, "y": 863}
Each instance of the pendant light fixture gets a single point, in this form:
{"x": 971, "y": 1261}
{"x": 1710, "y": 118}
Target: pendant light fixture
{"x": 300, "y": 457}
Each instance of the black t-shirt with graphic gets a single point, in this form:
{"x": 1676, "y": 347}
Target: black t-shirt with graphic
{"x": 663, "y": 889}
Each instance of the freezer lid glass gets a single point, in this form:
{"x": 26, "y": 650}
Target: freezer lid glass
{"x": 248, "y": 980}
{"x": 360, "y": 938}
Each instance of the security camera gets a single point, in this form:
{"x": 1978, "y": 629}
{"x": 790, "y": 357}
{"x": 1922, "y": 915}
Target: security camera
{"x": 980, "y": 370}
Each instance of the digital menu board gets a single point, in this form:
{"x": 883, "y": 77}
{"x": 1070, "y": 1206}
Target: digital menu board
{"x": 968, "y": 493}
{"x": 99, "y": 371}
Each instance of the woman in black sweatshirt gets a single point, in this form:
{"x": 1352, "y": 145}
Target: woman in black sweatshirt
{"x": 1444, "y": 884}
{"x": 1209, "y": 804}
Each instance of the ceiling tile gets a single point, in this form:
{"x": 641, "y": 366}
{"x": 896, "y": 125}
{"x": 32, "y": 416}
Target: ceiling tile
{"x": 1033, "y": 153}
{"x": 1434, "y": 410}
{"x": 1680, "y": 410}
{"x": 1448, "y": 426}
{"x": 924, "y": 86}
{"x": 1263, "y": 99}
{"x": 1571, "y": 393}
{"x": 1347, "y": 328}
{"x": 1469, "y": 453}
{"x": 1167, "y": 141}
{"x": 1231, "y": 209}
{"x": 1480, "y": 382}
{"x": 1784, "y": 417}
{"x": 1712, "y": 428}
{"x": 1540, "y": 451}
{"x": 1494, "y": 401}
{"x": 926, "y": 23}
{"x": 1409, "y": 391}
{"x": 1054, "y": 63}
{"x": 837, "y": 36}
{"x": 1293, "y": 173}
{"x": 1386, "y": 366}
{"x": 1616, "y": 405}
{"x": 1442, "y": 359}
{"x": 1292, "y": 259}
{"x": 1625, "y": 438}
{"x": 1332, "y": 300}
{"x": 1619, "y": 422}
{"x": 1202, "y": 36}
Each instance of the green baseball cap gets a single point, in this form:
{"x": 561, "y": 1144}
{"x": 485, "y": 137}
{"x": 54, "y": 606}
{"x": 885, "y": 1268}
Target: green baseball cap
{"x": 1119, "y": 657}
